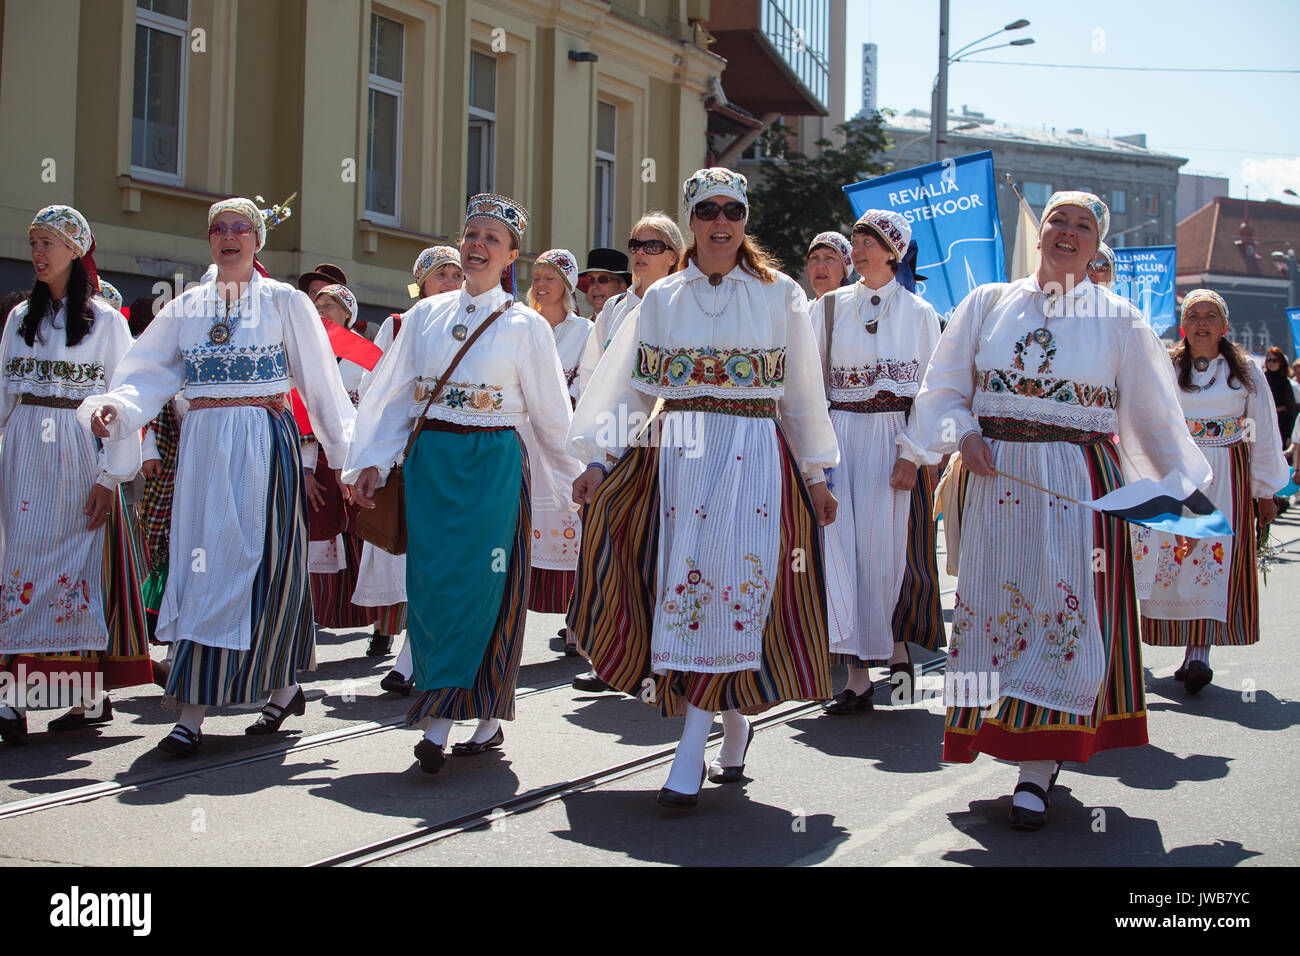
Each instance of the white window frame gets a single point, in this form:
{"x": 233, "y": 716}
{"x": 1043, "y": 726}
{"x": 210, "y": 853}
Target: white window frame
{"x": 382, "y": 84}
{"x": 487, "y": 121}
{"x": 1120, "y": 207}
{"x": 605, "y": 170}
{"x": 180, "y": 29}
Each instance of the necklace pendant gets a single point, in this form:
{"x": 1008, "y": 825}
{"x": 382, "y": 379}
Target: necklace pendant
{"x": 1043, "y": 337}
{"x": 1200, "y": 363}
{"x": 871, "y": 326}
{"x": 458, "y": 332}
{"x": 715, "y": 279}
{"x": 219, "y": 334}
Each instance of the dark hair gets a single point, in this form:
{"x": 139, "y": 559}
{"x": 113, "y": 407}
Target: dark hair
{"x": 866, "y": 230}
{"x": 1238, "y": 365}
{"x": 80, "y": 317}
{"x": 140, "y": 313}
{"x": 751, "y": 256}
{"x": 8, "y": 302}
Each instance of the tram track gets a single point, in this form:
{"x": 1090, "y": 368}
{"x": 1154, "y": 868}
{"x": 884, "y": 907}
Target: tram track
{"x": 541, "y": 796}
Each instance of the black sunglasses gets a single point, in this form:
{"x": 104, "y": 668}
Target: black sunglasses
{"x": 652, "y": 247}
{"x": 708, "y": 210}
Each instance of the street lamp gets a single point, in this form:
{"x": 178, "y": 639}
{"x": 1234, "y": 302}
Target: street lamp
{"x": 916, "y": 139}
{"x": 1124, "y": 232}
{"x": 939, "y": 99}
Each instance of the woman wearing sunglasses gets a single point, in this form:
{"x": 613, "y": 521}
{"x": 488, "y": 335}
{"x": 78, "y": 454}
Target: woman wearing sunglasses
{"x": 1101, "y": 267}
{"x": 237, "y": 603}
{"x": 701, "y": 585}
{"x": 62, "y": 518}
{"x": 1033, "y": 379}
{"x": 829, "y": 262}
{"x": 879, "y": 346}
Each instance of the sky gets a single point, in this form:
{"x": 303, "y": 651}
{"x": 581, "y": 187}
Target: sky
{"x": 1245, "y": 126}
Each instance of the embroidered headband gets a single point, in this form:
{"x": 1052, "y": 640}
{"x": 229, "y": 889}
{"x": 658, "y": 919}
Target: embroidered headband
{"x": 835, "y": 241}
{"x": 241, "y": 207}
{"x": 67, "y": 225}
{"x": 433, "y": 258}
{"x": 712, "y": 183}
{"x": 1204, "y": 295}
{"x": 343, "y": 296}
{"x": 1092, "y": 203}
{"x": 562, "y": 261}
{"x": 108, "y": 292}
{"x": 501, "y": 208}
{"x": 891, "y": 227}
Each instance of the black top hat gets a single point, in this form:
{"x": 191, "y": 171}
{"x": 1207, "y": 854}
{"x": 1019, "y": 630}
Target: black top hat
{"x": 607, "y": 260}
{"x": 325, "y": 272}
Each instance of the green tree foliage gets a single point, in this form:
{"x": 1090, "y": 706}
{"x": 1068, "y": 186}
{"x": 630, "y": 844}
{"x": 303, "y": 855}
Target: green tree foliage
{"x": 797, "y": 197}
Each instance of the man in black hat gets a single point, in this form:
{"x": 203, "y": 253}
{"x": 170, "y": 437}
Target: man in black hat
{"x": 326, "y": 273}
{"x": 606, "y": 275}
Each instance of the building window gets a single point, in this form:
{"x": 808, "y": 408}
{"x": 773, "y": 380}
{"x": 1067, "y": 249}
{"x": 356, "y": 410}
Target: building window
{"x": 1150, "y": 205}
{"x": 384, "y": 128}
{"x": 158, "y": 103}
{"x": 603, "y": 201}
{"x": 1118, "y": 202}
{"x": 481, "y": 162}
{"x": 1037, "y": 194}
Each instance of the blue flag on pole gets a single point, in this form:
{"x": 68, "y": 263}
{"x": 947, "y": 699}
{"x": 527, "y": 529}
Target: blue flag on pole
{"x": 1293, "y": 320}
{"x": 1145, "y": 276}
{"x": 952, "y": 207}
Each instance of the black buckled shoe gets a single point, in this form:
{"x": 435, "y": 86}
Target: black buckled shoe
{"x": 181, "y": 742}
{"x": 75, "y": 721}
{"x": 847, "y": 702}
{"x": 720, "y": 774}
{"x": 272, "y": 716}
{"x": 1199, "y": 676}
{"x": 13, "y": 730}
{"x": 381, "y": 645}
{"x": 1022, "y": 818}
{"x": 430, "y": 755}
{"x": 1181, "y": 673}
{"x": 470, "y": 749}
{"x": 395, "y": 683}
{"x": 590, "y": 682}
{"x": 675, "y": 800}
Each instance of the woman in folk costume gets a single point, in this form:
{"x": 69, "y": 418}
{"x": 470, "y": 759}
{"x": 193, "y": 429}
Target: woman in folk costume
{"x": 237, "y": 603}
{"x": 879, "y": 345}
{"x": 655, "y": 247}
{"x": 468, "y": 492}
{"x": 733, "y": 617}
{"x": 1206, "y": 592}
{"x": 381, "y": 583}
{"x": 1043, "y": 658}
{"x": 333, "y": 551}
{"x": 829, "y": 262}
{"x": 557, "y": 534}
{"x": 71, "y": 619}
{"x": 108, "y": 292}
{"x": 1101, "y": 267}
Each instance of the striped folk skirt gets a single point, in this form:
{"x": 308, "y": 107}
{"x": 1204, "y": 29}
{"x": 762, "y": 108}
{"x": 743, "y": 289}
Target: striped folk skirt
{"x": 549, "y": 590}
{"x": 125, "y": 661}
{"x": 390, "y": 619}
{"x": 1242, "y": 624}
{"x": 331, "y": 593}
{"x": 918, "y": 616}
{"x": 467, "y": 569}
{"x": 1018, "y": 730}
{"x": 282, "y": 641}
{"x": 616, "y": 596}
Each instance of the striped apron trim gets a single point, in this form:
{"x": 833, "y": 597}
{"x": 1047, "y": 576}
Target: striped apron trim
{"x": 918, "y": 616}
{"x": 331, "y": 592}
{"x": 549, "y": 590}
{"x": 493, "y": 692}
{"x": 613, "y": 606}
{"x": 1242, "y": 626}
{"x": 283, "y": 639}
{"x": 390, "y": 620}
{"x": 1023, "y": 731}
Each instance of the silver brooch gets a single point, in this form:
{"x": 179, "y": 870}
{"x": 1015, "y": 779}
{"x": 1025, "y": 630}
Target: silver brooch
{"x": 219, "y": 334}
{"x": 458, "y": 332}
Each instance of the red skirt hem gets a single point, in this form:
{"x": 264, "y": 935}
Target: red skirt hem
{"x": 1077, "y": 746}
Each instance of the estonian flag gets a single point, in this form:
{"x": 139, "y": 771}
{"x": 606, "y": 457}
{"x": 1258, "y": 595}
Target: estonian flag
{"x": 1173, "y": 505}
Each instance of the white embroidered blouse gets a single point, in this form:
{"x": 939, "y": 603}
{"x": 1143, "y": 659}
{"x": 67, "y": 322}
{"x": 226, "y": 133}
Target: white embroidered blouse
{"x": 604, "y": 328}
{"x": 743, "y": 339}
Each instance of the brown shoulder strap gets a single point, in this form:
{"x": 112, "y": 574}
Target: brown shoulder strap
{"x": 446, "y": 376}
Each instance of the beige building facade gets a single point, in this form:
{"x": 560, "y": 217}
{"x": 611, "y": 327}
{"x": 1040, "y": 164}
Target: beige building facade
{"x": 381, "y": 116}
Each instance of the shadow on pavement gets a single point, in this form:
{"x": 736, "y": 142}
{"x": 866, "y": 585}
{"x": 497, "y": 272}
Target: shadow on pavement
{"x": 899, "y": 739}
{"x": 1264, "y": 712}
{"x": 626, "y": 718}
{"x": 1150, "y": 768}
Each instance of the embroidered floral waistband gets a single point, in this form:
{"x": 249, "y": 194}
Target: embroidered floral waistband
{"x": 1060, "y": 390}
{"x": 466, "y": 396}
{"x": 1015, "y": 429}
{"x": 229, "y": 364}
{"x": 884, "y": 402}
{"x": 272, "y": 402}
{"x": 27, "y": 368}
{"x": 864, "y": 376}
{"x": 49, "y": 401}
{"x": 744, "y": 407}
{"x": 1213, "y": 432}
{"x": 721, "y": 368}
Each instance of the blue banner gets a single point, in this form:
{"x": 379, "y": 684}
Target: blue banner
{"x": 1145, "y": 276}
{"x": 1293, "y": 320}
{"x": 953, "y": 209}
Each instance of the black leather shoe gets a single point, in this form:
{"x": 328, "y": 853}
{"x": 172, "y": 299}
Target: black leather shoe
{"x": 395, "y": 683}
{"x": 381, "y": 645}
{"x": 181, "y": 742}
{"x": 1022, "y": 818}
{"x": 272, "y": 716}
{"x": 13, "y": 730}
{"x": 902, "y": 682}
{"x": 847, "y": 702}
{"x": 1181, "y": 673}
{"x": 675, "y": 800}
{"x": 720, "y": 774}
{"x": 571, "y": 649}
{"x": 1199, "y": 675}
{"x": 590, "y": 682}
{"x": 430, "y": 755}
{"x": 74, "y": 721}
{"x": 470, "y": 749}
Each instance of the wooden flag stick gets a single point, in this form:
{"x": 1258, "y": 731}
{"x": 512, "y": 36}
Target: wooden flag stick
{"x": 1049, "y": 491}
